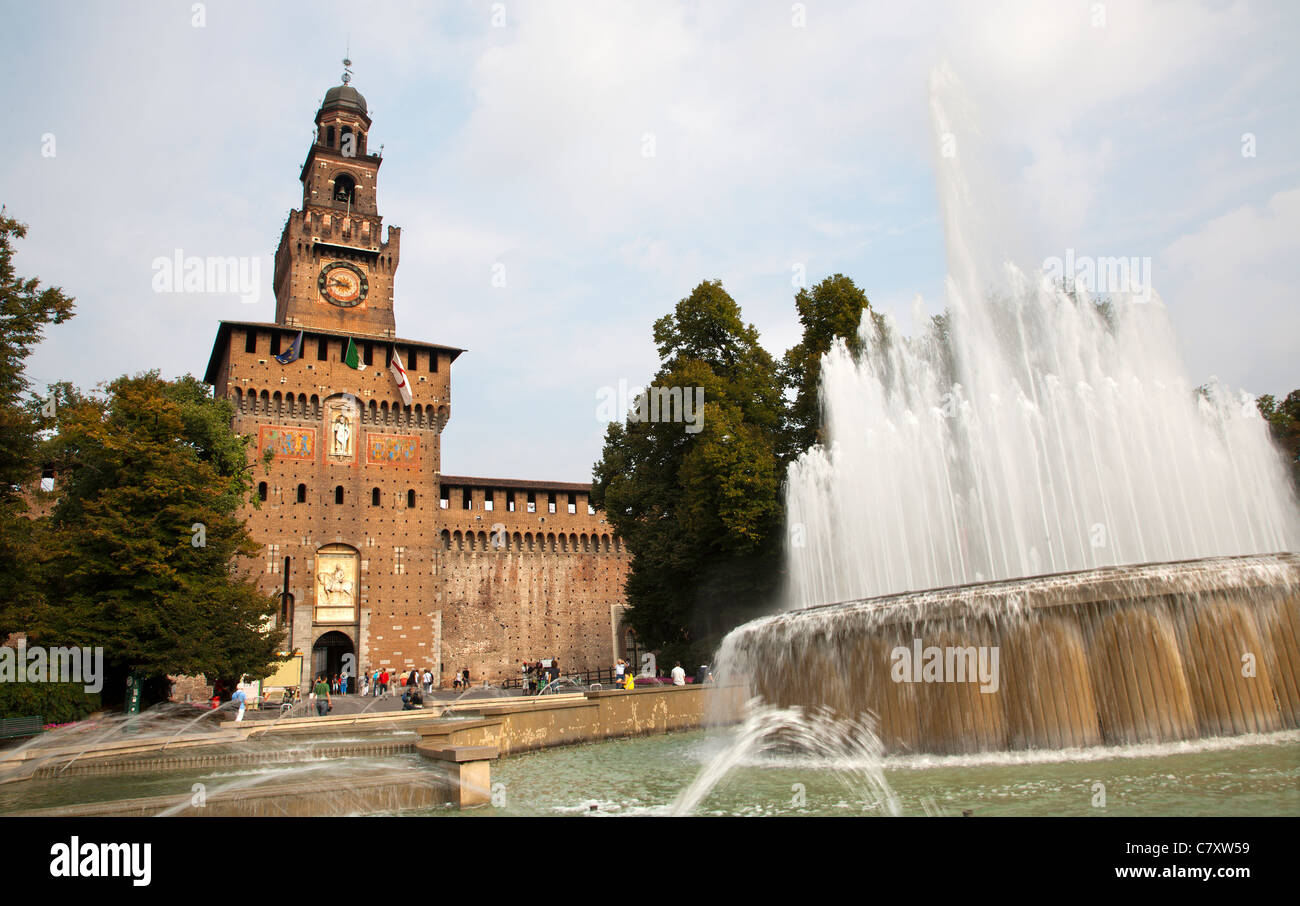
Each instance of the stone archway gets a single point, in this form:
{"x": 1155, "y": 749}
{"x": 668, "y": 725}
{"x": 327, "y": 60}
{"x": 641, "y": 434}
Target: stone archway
{"x": 328, "y": 656}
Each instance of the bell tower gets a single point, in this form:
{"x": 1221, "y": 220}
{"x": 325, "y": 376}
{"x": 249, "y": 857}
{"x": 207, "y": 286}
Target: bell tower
{"x": 332, "y": 271}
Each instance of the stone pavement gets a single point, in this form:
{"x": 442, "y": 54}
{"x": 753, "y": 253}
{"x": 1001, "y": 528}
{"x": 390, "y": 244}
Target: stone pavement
{"x": 370, "y": 704}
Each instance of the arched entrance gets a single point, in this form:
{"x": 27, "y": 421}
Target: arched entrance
{"x": 328, "y": 653}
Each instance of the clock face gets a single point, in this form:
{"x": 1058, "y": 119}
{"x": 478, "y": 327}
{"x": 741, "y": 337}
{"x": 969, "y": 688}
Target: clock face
{"x": 343, "y": 284}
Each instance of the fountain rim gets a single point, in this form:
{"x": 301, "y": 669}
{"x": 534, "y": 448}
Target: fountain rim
{"x": 1130, "y": 574}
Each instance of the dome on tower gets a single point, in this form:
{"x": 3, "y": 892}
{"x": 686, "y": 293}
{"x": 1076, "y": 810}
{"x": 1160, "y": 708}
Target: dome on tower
{"x": 344, "y": 97}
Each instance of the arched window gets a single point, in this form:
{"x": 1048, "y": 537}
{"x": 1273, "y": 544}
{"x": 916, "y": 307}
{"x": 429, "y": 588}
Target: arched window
{"x": 374, "y": 496}
{"x": 410, "y": 499}
{"x": 329, "y": 136}
{"x": 261, "y": 491}
{"x": 345, "y": 189}
{"x": 302, "y": 493}
{"x": 338, "y": 494}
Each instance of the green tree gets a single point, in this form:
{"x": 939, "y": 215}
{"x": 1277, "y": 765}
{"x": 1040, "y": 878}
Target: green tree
{"x": 1284, "y": 423}
{"x": 25, "y": 309}
{"x": 831, "y": 310}
{"x": 700, "y": 510}
{"x": 147, "y": 536}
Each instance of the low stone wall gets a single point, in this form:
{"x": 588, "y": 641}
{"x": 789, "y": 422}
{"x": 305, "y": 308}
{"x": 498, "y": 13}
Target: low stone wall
{"x": 460, "y": 751}
{"x": 514, "y": 728}
{"x": 285, "y": 799}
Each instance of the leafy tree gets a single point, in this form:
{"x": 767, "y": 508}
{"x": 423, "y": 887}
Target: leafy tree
{"x": 700, "y": 510}
{"x": 1284, "y": 423}
{"x": 25, "y": 309}
{"x": 147, "y": 537}
{"x": 831, "y": 310}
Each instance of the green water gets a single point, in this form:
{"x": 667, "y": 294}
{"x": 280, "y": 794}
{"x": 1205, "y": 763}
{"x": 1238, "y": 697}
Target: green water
{"x": 1242, "y": 776}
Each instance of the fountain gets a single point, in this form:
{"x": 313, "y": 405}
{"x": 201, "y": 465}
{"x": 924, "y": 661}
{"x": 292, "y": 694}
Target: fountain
{"x": 1038, "y": 532}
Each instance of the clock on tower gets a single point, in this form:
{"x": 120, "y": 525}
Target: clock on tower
{"x": 334, "y": 269}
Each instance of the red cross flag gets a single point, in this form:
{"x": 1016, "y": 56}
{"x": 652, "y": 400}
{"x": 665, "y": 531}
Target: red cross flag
{"x": 399, "y": 375}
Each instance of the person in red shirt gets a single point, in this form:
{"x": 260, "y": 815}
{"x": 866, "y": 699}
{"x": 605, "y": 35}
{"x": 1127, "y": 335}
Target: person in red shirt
{"x": 383, "y": 683}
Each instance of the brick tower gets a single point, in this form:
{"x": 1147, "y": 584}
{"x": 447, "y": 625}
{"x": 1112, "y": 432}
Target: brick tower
{"x": 378, "y": 560}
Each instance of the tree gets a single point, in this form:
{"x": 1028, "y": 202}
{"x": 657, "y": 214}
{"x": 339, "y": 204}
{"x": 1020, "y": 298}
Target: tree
{"x": 1284, "y": 424}
{"x": 699, "y": 505}
{"x": 25, "y": 309}
{"x": 147, "y": 537}
{"x": 831, "y": 311}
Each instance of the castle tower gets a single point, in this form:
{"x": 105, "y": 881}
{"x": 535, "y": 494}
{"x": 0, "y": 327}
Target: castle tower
{"x": 332, "y": 270}
{"x": 347, "y": 507}
{"x": 378, "y": 560}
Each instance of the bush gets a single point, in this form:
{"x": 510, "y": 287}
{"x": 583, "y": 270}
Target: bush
{"x": 54, "y": 703}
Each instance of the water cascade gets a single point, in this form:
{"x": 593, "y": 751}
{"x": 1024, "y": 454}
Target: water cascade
{"x": 1032, "y": 479}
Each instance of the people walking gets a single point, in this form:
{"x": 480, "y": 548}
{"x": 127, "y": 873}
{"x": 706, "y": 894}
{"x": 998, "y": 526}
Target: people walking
{"x": 428, "y": 681}
{"x": 240, "y": 699}
{"x": 323, "y": 702}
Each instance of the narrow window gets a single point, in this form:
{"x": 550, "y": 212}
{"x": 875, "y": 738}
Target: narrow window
{"x": 410, "y": 499}
{"x": 374, "y": 496}
{"x": 338, "y": 494}
{"x": 487, "y": 500}
{"x": 466, "y": 499}
{"x": 510, "y": 501}
{"x": 302, "y": 493}
{"x": 532, "y": 502}
{"x": 250, "y": 341}
{"x": 261, "y": 491}
{"x": 275, "y": 343}
{"x": 550, "y": 502}
{"x": 322, "y": 350}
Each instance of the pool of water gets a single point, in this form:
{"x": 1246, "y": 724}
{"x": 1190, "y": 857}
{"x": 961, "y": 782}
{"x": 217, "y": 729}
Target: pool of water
{"x": 332, "y": 773}
{"x": 1238, "y": 776}
{"x": 1252, "y": 775}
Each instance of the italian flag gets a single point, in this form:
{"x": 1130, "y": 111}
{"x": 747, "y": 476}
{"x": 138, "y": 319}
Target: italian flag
{"x": 350, "y": 357}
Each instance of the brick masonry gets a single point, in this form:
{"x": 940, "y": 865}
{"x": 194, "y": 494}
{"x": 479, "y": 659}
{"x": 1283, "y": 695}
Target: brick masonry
{"x": 362, "y": 535}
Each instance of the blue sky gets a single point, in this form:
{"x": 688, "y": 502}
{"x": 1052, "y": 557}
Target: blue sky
{"x": 516, "y": 135}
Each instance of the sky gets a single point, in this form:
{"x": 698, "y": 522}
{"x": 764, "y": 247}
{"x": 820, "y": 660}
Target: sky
{"x": 565, "y": 173}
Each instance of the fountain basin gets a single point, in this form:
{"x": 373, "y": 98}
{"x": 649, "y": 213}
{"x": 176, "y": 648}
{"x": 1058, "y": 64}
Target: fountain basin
{"x": 1113, "y": 656}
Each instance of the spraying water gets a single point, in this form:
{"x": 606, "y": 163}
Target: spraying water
{"x": 1036, "y": 431}
{"x": 851, "y": 749}
{"x": 1032, "y": 476}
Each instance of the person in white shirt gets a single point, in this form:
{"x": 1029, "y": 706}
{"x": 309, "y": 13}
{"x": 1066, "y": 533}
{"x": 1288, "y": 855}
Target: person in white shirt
{"x": 679, "y": 675}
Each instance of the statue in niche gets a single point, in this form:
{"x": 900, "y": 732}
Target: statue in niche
{"x": 342, "y": 433}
